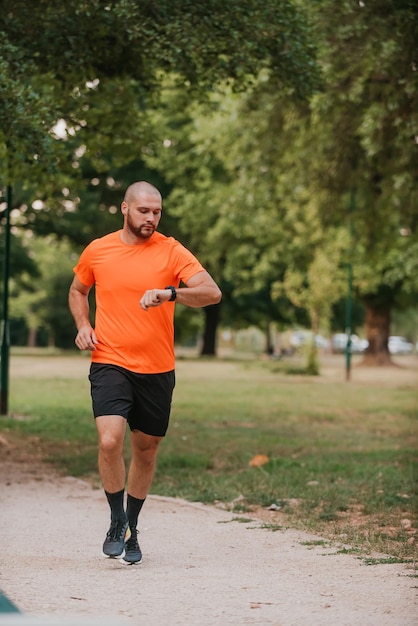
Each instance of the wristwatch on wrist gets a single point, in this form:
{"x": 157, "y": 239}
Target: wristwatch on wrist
{"x": 173, "y": 292}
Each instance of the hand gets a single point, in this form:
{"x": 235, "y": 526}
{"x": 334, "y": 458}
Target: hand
{"x": 86, "y": 338}
{"x": 154, "y": 297}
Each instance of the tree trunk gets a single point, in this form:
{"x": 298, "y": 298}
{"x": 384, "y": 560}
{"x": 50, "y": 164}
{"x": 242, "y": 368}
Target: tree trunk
{"x": 32, "y": 336}
{"x": 51, "y": 339}
{"x": 211, "y": 326}
{"x": 268, "y": 347}
{"x": 377, "y": 325}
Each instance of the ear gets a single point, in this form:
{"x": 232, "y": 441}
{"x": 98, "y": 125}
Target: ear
{"x": 124, "y": 207}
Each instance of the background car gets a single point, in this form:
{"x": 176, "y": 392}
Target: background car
{"x": 301, "y": 338}
{"x": 339, "y": 343}
{"x": 399, "y": 345}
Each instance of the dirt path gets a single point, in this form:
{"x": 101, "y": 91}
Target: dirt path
{"x": 200, "y": 567}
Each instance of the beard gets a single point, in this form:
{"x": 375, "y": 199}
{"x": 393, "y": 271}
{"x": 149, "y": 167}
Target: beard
{"x": 141, "y": 232}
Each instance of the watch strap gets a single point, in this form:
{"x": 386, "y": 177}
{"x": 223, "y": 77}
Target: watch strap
{"x": 173, "y": 292}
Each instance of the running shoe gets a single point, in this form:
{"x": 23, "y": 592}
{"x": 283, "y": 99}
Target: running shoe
{"x": 133, "y": 552}
{"x": 114, "y": 544}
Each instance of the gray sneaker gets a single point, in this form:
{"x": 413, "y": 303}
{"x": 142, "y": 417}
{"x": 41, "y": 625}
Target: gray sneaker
{"x": 133, "y": 552}
{"x": 114, "y": 544}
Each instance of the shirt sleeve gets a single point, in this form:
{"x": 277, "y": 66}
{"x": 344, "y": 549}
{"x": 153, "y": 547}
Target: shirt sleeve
{"x": 83, "y": 269}
{"x": 187, "y": 265}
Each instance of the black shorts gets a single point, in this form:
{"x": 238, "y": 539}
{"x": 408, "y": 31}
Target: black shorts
{"x": 144, "y": 400}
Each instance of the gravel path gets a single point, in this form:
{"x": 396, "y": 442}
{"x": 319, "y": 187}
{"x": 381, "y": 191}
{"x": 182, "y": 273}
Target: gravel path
{"x": 201, "y": 565}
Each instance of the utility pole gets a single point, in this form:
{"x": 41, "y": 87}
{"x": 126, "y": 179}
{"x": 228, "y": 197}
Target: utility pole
{"x": 5, "y": 331}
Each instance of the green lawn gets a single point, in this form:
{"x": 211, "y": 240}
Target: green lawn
{"x": 342, "y": 455}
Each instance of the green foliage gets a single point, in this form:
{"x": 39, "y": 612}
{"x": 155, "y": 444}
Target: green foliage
{"x": 27, "y": 113}
{"x": 96, "y": 70}
{"x": 363, "y": 137}
{"x": 23, "y": 264}
{"x": 94, "y": 66}
{"x": 43, "y": 300}
{"x": 258, "y": 176}
{"x": 203, "y": 42}
{"x": 293, "y": 192}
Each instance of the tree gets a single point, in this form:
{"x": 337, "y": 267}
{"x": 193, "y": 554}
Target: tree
{"x": 203, "y": 42}
{"x": 353, "y": 139}
{"x": 361, "y": 137}
{"x": 92, "y": 66}
{"x": 225, "y": 210}
{"x": 95, "y": 65}
{"x": 317, "y": 287}
{"x": 42, "y": 303}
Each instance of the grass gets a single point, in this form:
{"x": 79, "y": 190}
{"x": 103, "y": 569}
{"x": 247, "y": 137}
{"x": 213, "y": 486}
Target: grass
{"x": 342, "y": 456}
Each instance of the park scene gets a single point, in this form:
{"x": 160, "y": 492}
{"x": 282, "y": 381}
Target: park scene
{"x": 282, "y": 137}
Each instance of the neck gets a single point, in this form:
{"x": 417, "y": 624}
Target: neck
{"x": 130, "y": 239}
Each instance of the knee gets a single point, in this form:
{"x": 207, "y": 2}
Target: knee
{"x": 145, "y": 456}
{"x": 110, "y": 444}
{"x": 148, "y": 455}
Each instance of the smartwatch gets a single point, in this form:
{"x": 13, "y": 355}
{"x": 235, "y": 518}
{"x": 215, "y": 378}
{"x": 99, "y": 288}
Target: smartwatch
{"x": 173, "y": 292}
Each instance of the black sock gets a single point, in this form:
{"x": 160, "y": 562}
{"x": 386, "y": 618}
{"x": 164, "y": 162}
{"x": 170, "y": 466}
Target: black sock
{"x": 116, "y": 504}
{"x": 133, "y": 508}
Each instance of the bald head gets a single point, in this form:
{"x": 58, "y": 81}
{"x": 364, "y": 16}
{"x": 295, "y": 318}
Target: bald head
{"x": 141, "y": 209}
{"x": 137, "y": 189}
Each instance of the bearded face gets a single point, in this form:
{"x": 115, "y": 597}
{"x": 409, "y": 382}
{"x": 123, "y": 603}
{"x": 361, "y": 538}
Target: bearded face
{"x": 140, "y": 225}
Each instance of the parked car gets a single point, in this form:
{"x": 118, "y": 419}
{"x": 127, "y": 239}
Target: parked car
{"x": 339, "y": 343}
{"x": 399, "y": 345}
{"x": 301, "y": 338}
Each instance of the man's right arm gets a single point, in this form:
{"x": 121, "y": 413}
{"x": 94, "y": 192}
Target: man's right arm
{"x": 78, "y": 300}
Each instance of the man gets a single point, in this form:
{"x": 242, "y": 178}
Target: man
{"x": 136, "y": 272}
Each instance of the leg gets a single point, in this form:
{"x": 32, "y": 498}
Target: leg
{"x": 144, "y": 459}
{"x": 141, "y": 473}
{"x": 111, "y": 432}
{"x": 153, "y": 401}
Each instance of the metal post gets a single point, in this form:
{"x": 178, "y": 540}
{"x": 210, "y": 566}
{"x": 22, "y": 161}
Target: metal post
{"x": 349, "y": 300}
{"x": 5, "y": 334}
{"x": 348, "y": 310}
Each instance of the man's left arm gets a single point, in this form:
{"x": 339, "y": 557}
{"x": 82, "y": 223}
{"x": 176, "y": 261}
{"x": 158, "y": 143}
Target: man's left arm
{"x": 201, "y": 290}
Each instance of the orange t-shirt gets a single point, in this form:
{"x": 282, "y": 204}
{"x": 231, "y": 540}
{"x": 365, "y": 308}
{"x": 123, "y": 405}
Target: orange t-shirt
{"x": 138, "y": 340}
